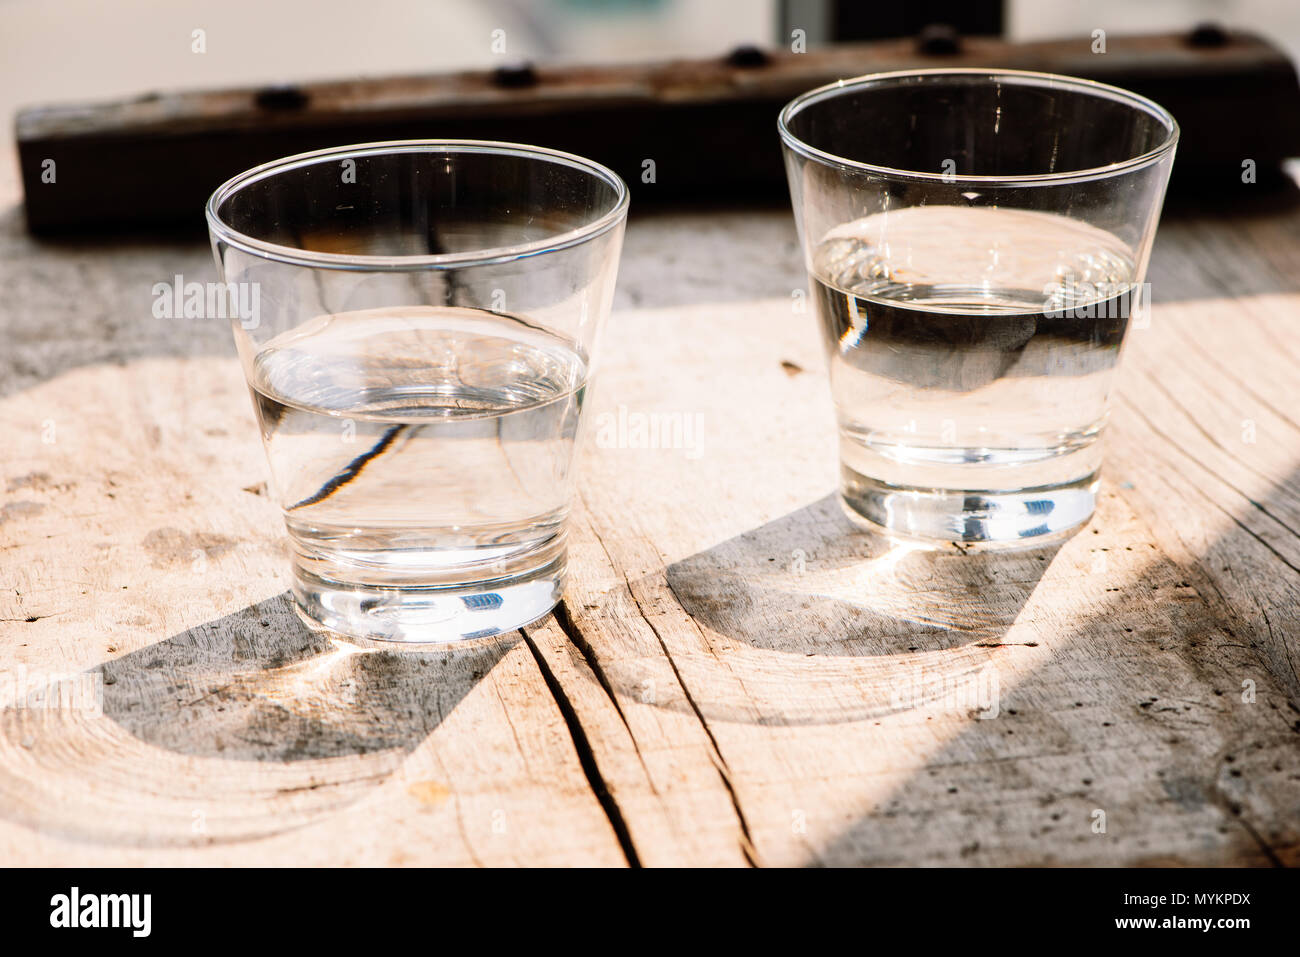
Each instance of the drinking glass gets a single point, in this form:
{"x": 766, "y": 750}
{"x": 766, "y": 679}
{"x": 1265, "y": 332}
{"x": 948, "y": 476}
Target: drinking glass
{"x": 425, "y": 323}
{"x": 977, "y": 242}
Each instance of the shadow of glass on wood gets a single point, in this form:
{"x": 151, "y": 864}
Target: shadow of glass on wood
{"x": 315, "y": 722}
{"x": 1151, "y": 731}
{"x": 811, "y": 620}
{"x": 813, "y": 582}
{"x": 1158, "y": 727}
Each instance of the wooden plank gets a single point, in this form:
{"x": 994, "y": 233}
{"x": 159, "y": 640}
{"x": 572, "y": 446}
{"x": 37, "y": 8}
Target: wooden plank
{"x": 741, "y": 677}
{"x": 144, "y": 567}
{"x": 658, "y": 765}
{"x": 838, "y": 678}
{"x": 1219, "y": 470}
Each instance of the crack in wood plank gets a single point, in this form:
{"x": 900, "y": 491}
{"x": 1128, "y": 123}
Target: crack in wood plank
{"x": 586, "y": 756}
{"x": 720, "y": 762}
{"x": 747, "y": 847}
{"x": 564, "y": 619}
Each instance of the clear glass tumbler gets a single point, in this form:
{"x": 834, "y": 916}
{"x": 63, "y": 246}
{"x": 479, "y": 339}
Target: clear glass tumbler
{"x": 418, "y": 329}
{"x": 977, "y": 242}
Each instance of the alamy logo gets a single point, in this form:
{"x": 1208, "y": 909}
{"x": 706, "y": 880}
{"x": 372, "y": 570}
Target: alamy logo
{"x": 1098, "y": 300}
{"x": 208, "y": 300}
{"x": 976, "y": 694}
{"x": 650, "y": 430}
{"x": 22, "y": 690}
{"x": 102, "y": 910}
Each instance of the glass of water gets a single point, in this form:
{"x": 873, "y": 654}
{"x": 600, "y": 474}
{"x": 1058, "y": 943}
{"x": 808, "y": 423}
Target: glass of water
{"x": 977, "y": 242}
{"x": 423, "y": 320}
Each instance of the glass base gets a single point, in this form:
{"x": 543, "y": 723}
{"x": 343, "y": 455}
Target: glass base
{"x": 1021, "y": 516}
{"x": 424, "y": 614}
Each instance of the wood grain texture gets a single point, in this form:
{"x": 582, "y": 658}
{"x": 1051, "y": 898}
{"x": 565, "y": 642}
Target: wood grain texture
{"x": 736, "y": 676}
{"x": 888, "y": 706}
{"x": 146, "y": 569}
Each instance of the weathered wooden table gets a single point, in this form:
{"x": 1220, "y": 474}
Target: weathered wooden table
{"x": 736, "y": 677}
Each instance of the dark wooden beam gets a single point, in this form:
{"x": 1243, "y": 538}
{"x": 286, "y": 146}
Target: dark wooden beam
{"x": 709, "y": 125}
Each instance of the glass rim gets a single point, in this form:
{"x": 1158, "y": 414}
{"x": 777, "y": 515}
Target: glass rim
{"x": 492, "y": 255}
{"x": 1023, "y": 77}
